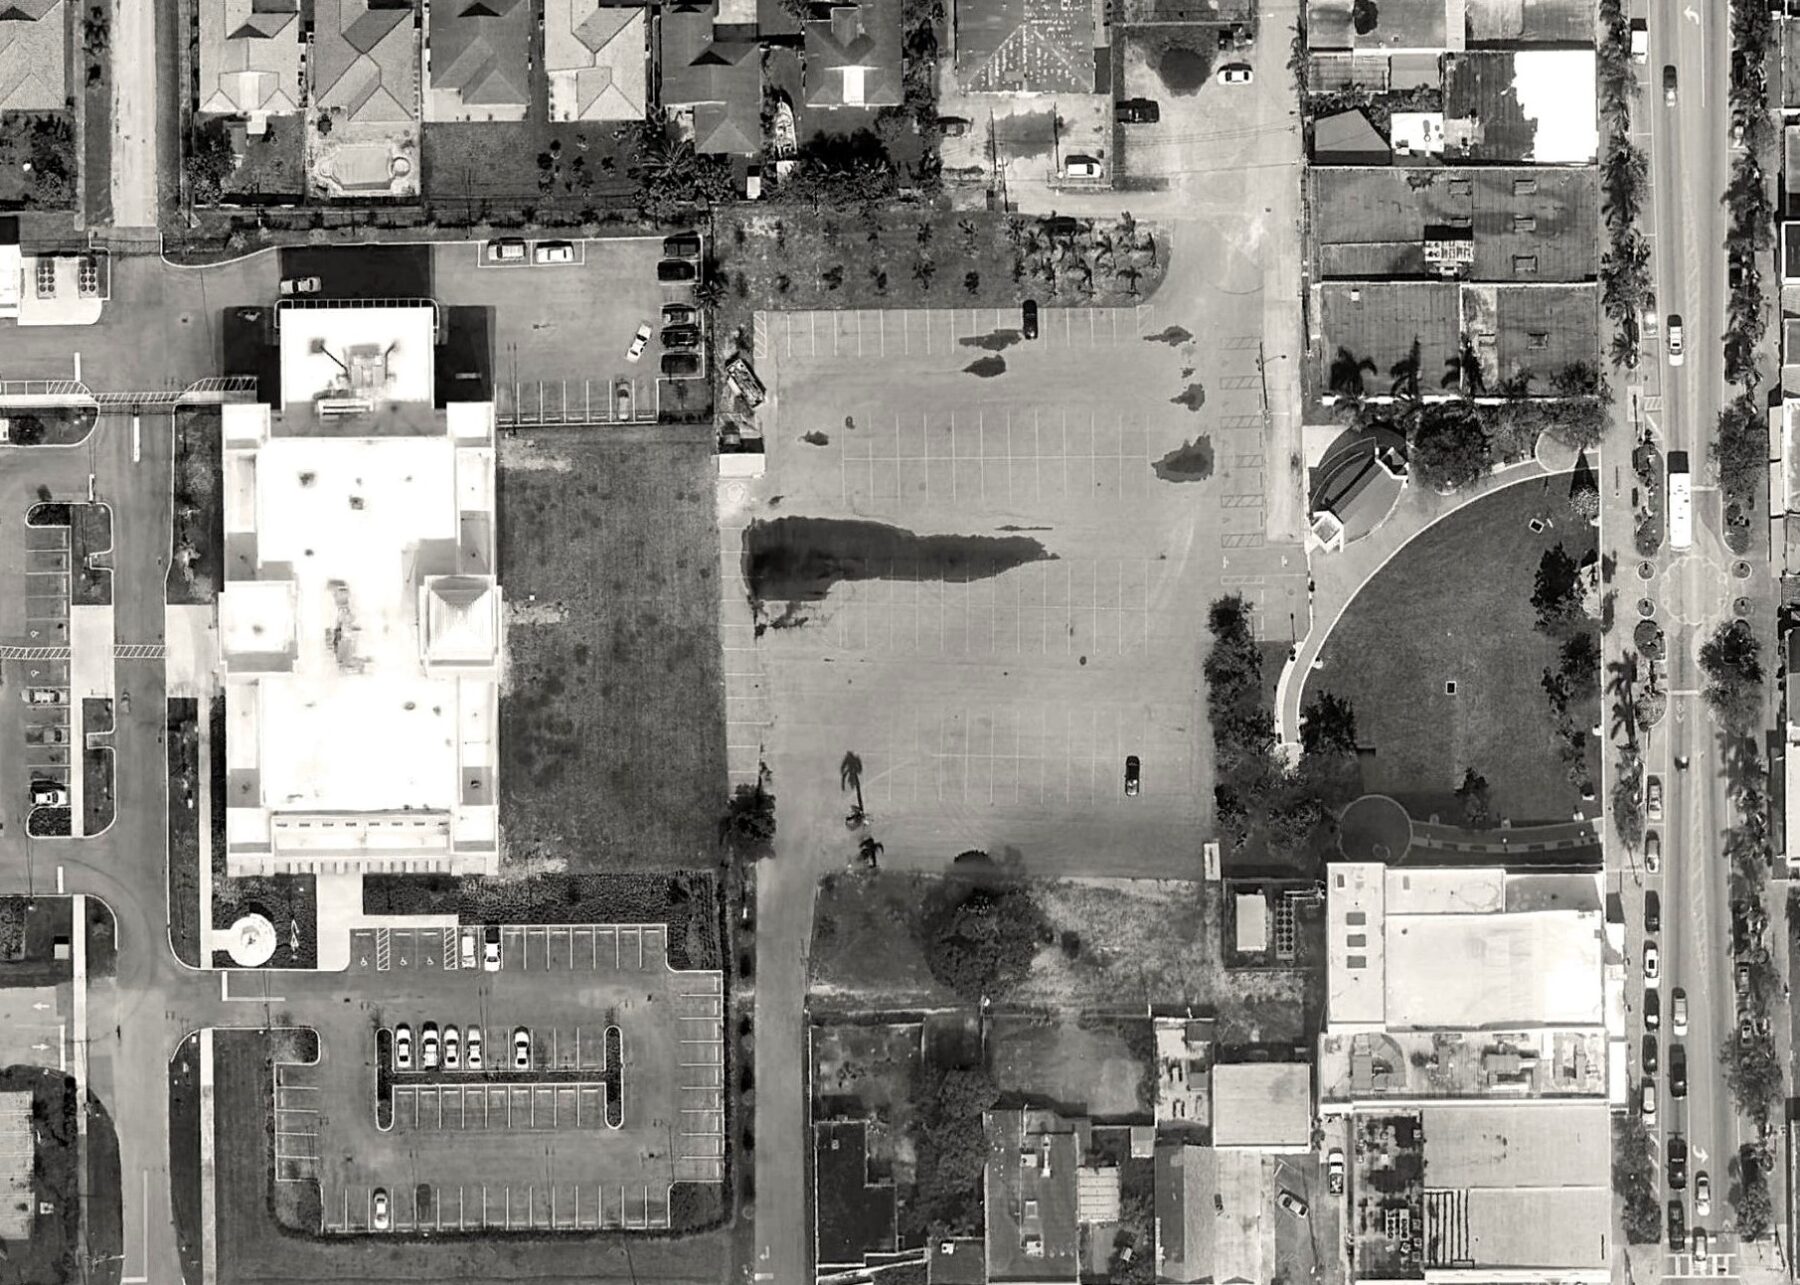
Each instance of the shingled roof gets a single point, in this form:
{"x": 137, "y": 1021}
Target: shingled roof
{"x": 366, "y": 59}
{"x": 33, "y": 49}
{"x": 597, "y": 59}
{"x": 250, "y": 56}
{"x": 853, "y": 56}
{"x": 480, "y": 50}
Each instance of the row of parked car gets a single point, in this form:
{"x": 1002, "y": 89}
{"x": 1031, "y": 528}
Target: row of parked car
{"x": 454, "y": 1049}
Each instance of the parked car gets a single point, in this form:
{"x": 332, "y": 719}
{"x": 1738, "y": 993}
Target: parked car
{"x": 1028, "y": 318}
{"x": 1678, "y": 1011}
{"x": 1677, "y": 1223}
{"x": 466, "y": 956}
{"x": 1677, "y": 342}
{"x": 1676, "y": 1163}
{"x": 1236, "y": 73}
{"x": 1652, "y": 851}
{"x": 379, "y": 1218}
{"x": 472, "y": 1040}
{"x": 1649, "y": 1057}
{"x": 428, "y": 1046}
{"x": 1082, "y": 167}
{"x": 676, "y": 270}
{"x": 300, "y": 285}
{"x": 1131, "y": 776}
{"x": 1334, "y": 1171}
{"x": 683, "y": 245}
{"x": 452, "y": 1048}
{"x": 1652, "y": 912}
{"x": 554, "y": 252}
{"x": 1640, "y": 40}
{"x": 639, "y": 342}
{"x": 490, "y": 949}
{"x": 681, "y": 338}
{"x": 743, "y": 381}
{"x": 680, "y": 314}
{"x": 681, "y": 365}
{"x": 1700, "y": 1243}
{"x": 1746, "y": 1032}
{"x": 1653, "y": 798}
{"x": 952, "y": 126}
{"x": 1652, "y": 1011}
{"x": 622, "y": 400}
{"x": 510, "y": 250}
{"x": 1678, "y": 1071}
{"x": 521, "y": 1049}
{"x": 403, "y": 1047}
{"x": 1292, "y": 1203}
{"x": 1652, "y": 965}
{"x": 1647, "y": 1100}
{"x": 1702, "y": 1194}
{"x": 45, "y": 696}
{"x": 55, "y": 735}
{"x": 1741, "y": 978}
{"x": 1669, "y": 84}
{"x": 48, "y": 794}
{"x": 1137, "y": 111}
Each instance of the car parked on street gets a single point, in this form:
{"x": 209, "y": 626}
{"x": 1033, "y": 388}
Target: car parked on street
{"x": 1678, "y": 1071}
{"x": 1647, "y": 1101}
{"x": 1677, "y": 1223}
{"x": 1649, "y": 1057}
{"x": 1334, "y": 1171}
{"x": 1653, "y": 796}
{"x": 1678, "y": 1011}
{"x": 1652, "y": 1011}
{"x": 1652, "y": 965}
{"x": 1652, "y": 912}
{"x": 1676, "y": 1162}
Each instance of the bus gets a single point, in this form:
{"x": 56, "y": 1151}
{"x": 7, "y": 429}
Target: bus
{"x": 1681, "y": 502}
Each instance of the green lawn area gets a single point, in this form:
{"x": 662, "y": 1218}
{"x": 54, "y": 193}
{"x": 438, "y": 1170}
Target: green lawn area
{"x": 1103, "y": 1069}
{"x": 864, "y": 951}
{"x": 51, "y": 1252}
{"x": 254, "y": 1248}
{"x": 476, "y": 171}
{"x": 274, "y": 164}
{"x": 612, "y": 724}
{"x": 45, "y": 140}
{"x": 1455, "y": 605}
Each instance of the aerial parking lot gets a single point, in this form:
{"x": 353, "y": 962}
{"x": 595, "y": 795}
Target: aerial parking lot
{"x": 586, "y": 1101}
{"x": 1101, "y": 483}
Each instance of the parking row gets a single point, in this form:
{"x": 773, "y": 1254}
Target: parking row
{"x": 498, "y": 1206}
{"x": 493, "y": 947}
{"x": 463, "y": 1049}
{"x": 482, "y": 1107}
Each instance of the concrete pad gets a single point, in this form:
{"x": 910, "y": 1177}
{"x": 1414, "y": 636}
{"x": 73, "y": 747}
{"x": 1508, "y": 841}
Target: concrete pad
{"x": 192, "y": 656}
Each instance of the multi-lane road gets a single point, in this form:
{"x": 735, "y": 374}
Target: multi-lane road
{"x": 1686, "y": 132}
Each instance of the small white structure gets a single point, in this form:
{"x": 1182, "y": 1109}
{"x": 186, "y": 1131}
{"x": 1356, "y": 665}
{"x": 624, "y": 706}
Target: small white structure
{"x": 361, "y": 618}
{"x": 252, "y": 941}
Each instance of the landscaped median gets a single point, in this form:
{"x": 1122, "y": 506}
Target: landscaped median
{"x": 185, "y": 911}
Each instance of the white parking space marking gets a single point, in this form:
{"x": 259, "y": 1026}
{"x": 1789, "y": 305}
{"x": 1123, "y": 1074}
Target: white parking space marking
{"x": 854, "y": 334}
{"x": 561, "y": 1105}
{"x": 499, "y": 1206}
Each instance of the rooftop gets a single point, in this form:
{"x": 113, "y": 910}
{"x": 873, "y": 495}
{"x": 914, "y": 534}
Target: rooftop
{"x": 479, "y": 55}
{"x": 1209, "y": 1214}
{"x": 855, "y": 1217}
{"x": 715, "y": 73}
{"x": 1025, "y": 46}
{"x": 1379, "y": 321}
{"x": 1262, "y": 1106}
{"x": 853, "y": 56}
{"x": 1536, "y": 105}
{"x": 1514, "y": 22}
{"x": 597, "y": 59}
{"x": 33, "y": 55}
{"x": 1349, "y": 138}
{"x": 1374, "y": 1066}
{"x": 1031, "y": 1196}
{"x": 1391, "y": 25}
{"x": 365, "y": 59}
{"x": 250, "y": 56}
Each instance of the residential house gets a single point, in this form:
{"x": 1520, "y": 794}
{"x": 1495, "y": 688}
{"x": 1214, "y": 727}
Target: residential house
{"x": 597, "y": 59}
{"x": 853, "y": 56}
{"x": 712, "y": 78}
{"x": 365, "y": 60}
{"x": 249, "y": 57}
{"x": 477, "y": 59}
{"x": 1026, "y": 46}
{"x": 33, "y": 55}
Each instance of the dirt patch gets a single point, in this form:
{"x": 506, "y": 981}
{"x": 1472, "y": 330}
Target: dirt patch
{"x": 1097, "y": 1068}
{"x": 800, "y": 559}
{"x": 1025, "y": 133}
{"x": 1189, "y": 462}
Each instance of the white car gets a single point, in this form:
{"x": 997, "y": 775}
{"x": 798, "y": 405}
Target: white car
{"x": 490, "y": 953}
{"x": 378, "y": 1210}
{"x": 428, "y": 1046}
{"x": 555, "y": 252}
{"x": 1082, "y": 167}
{"x": 1236, "y": 74}
{"x": 472, "y": 1039}
{"x": 46, "y": 795}
{"x": 300, "y": 285}
{"x": 1677, "y": 342}
{"x": 521, "y": 1049}
{"x": 452, "y": 1048}
{"x": 403, "y": 1047}
{"x": 507, "y": 251}
{"x": 1653, "y": 798}
{"x": 639, "y": 342}
{"x": 1652, "y": 968}
{"x": 1652, "y": 851}
{"x": 1649, "y": 1101}
{"x": 1678, "y": 1011}
{"x": 1702, "y": 1195}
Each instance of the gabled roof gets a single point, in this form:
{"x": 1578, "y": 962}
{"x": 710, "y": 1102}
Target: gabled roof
{"x": 249, "y": 56}
{"x": 597, "y": 61}
{"x": 1031, "y": 46}
{"x": 365, "y": 59}
{"x": 720, "y": 78}
{"x": 480, "y": 50}
{"x": 33, "y": 49}
{"x": 853, "y": 56}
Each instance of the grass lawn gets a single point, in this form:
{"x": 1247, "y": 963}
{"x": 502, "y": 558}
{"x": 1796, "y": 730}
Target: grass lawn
{"x": 95, "y": 70}
{"x": 254, "y": 1247}
{"x": 47, "y": 141}
{"x": 481, "y": 171}
{"x": 90, "y": 541}
{"x": 197, "y": 569}
{"x": 864, "y": 953}
{"x": 184, "y": 828}
{"x": 1455, "y": 605}
{"x": 1102, "y": 1069}
{"x": 274, "y": 166}
{"x": 612, "y": 722}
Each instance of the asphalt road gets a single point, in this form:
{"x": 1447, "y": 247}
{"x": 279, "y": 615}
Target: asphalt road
{"x": 1689, "y": 160}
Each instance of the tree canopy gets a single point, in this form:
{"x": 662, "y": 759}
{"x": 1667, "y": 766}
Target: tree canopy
{"x": 981, "y": 936}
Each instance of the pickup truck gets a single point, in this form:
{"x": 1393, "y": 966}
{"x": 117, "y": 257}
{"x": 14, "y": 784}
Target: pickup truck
{"x": 1640, "y": 40}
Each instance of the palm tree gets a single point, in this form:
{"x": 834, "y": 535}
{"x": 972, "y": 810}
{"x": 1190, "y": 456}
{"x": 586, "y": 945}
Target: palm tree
{"x": 850, "y": 778}
{"x": 1622, "y": 687}
{"x": 1346, "y": 378}
{"x": 870, "y": 850}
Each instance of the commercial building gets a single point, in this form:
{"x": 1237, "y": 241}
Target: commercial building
{"x": 1211, "y": 1212}
{"x": 361, "y": 620}
{"x": 1039, "y": 1188}
{"x": 1262, "y": 1106}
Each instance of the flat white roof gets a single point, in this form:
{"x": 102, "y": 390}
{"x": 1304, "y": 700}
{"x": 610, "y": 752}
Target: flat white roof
{"x": 1557, "y": 89}
{"x": 381, "y": 353}
{"x": 1262, "y": 1105}
{"x": 1471, "y": 890}
{"x": 1536, "y": 968}
{"x": 1356, "y": 915}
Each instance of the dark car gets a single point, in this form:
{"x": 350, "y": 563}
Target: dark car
{"x": 1131, "y": 776}
{"x": 680, "y": 365}
{"x": 1677, "y": 1223}
{"x": 1678, "y": 1070}
{"x": 1652, "y": 913}
{"x": 952, "y": 126}
{"x": 1669, "y": 83}
{"x": 1677, "y": 1163}
{"x": 676, "y": 270}
{"x": 1028, "y": 318}
{"x": 683, "y": 245}
{"x": 1137, "y": 111}
{"x": 1652, "y": 1010}
{"x": 684, "y": 337}
{"x": 1650, "y": 1057}
{"x": 679, "y": 314}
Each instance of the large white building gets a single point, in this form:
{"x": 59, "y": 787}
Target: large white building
{"x": 361, "y": 619}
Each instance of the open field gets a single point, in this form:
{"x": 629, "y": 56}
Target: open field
{"x": 1455, "y": 606}
{"x": 1096, "y": 1067}
{"x": 254, "y": 1248}
{"x": 612, "y": 721}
